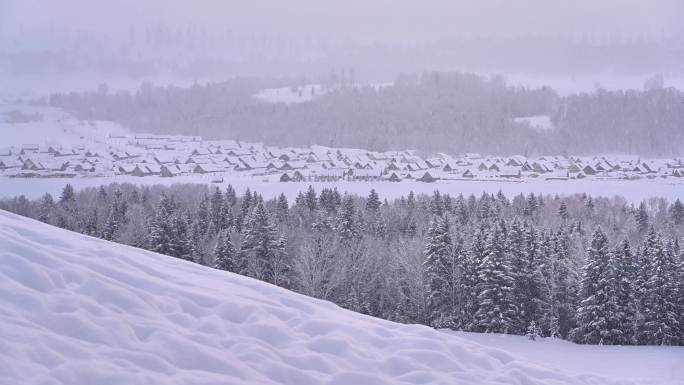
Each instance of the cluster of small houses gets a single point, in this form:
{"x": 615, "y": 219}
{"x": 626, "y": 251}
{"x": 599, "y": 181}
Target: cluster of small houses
{"x": 175, "y": 156}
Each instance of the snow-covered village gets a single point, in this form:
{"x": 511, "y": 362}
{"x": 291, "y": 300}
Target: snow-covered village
{"x": 170, "y": 156}
{"x": 376, "y": 192}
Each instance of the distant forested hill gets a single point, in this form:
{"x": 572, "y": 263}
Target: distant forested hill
{"x": 434, "y": 111}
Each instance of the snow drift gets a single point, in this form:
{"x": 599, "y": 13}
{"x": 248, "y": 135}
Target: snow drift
{"x": 78, "y": 310}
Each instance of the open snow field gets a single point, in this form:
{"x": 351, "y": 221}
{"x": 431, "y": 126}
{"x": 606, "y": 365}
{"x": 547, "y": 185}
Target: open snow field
{"x": 632, "y": 191}
{"x": 655, "y": 363}
{"x": 79, "y": 310}
{"x": 53, "y": 127}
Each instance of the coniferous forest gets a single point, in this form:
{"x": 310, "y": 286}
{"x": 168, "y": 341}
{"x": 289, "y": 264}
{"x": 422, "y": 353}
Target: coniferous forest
{"x": 590, "y": 270}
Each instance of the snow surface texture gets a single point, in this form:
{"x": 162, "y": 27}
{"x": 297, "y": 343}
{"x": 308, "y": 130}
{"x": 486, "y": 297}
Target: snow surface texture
{"x": 79, "y": 310}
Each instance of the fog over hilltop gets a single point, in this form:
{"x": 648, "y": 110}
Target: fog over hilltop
{"x": 379, "y": 21}
{"x": 379, "y": 39}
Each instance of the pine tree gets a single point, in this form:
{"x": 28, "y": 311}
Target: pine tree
{"x": 224, "y": 253}
{"x": 590, "y": 204}
{"x": 436, "y": 204}
{"x": 347, "y": 224}
{"x": 101, "y": 194}
{"x": 90, "y": 224}
{"x": 438, "y": 267}
{"x": 282, "y": 208}
{"x": 186, "y": 239}
{"x": 563, "y": 211}
{"x": 598, "y": 318}
{"x": 282, "y": 264}
{"x": 330, "y": 199}
{"x": 203, "y": 215}
{"x": 310, "y": 199}
{"x": 68, "y": 196}
{"x": 245, "y": 208}
{"x": 47, "y": 205}
{"x": 469, "y": 266}
{"x": 195, "y": 241}
{"x": 116, "y": 217}
{"x": 660, "y": 305}
{"x": 375, "y": 226}
{"x": 641, "y": 217}
{"x": 519, "y": 241}
{"x": 625, "y": 270}
{"x": 566, "y": 285}
{"x": 530, "y": 272}
{"x": 226, "y": 218}
{"x": 497, "y": 311}
{"x": 231, "y": 197}
{"x": 532, "y": 204}
{"x": 260, "y": 246}
{"x": 461, "y": 210}
{"x": 216, "y": 211}
{"x": 411, "y": 201}
{"x": 677, "y": 212}
{"x": 373, "y": 203}
{"x": 162, "y": 238}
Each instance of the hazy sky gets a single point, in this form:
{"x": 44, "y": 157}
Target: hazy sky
{"x": 365, "y": 20}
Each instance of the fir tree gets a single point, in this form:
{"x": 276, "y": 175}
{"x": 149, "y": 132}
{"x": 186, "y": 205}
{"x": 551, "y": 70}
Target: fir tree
{"x": 532, "y": 204}
{"x": 68, "y": 196}
{"x": 162, "y": 238}
{"x": 216, "y": 211}
{"x": 598, "y": 318}
{"x": 90, "y": 224}
{"x": 224, "y": 253}
{"x": 231, "y": 197}
{"x": 590, "y": 204}
{"x": 461, "y": 210}
{"x": 566, "y": 285}
{"x": 677, "y": 212}
{"x": 373, "y": 202}
{"x": 497, "y": 311}
{"x": 436, "y": 204}
{"x": 563, "y": 211}
{"x": 260, "y": 246}
{"x": 641, "y": 217}
{"x": 101, "y": 194}
{"x": 245, "y": 208}
{"x": 660, "y": 305}
{"x": 310, "y": 199}
{"x": 282, "y": 208}
{"x": 347, "y": 224}
{"x": 116, "y": 217}
{"x": 47, "y": 205}
{"x": 438, "y": 270}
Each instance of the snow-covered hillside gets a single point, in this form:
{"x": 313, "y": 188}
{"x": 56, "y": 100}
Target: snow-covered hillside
{"x": 77, "y": 310}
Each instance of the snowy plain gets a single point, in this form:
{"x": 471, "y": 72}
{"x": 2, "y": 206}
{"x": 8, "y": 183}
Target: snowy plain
{"x": 79, "y": 310}
{"x": 632, "y": 191}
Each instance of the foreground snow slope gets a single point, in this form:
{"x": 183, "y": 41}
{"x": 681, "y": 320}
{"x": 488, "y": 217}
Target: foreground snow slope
{"x": 78, "y": 310}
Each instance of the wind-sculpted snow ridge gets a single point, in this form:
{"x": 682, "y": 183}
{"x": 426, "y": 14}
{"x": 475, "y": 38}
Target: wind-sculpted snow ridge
{"x": 78, "y": 310}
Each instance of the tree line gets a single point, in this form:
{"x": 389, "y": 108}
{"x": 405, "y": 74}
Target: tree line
{"x": 590, "y": 270}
